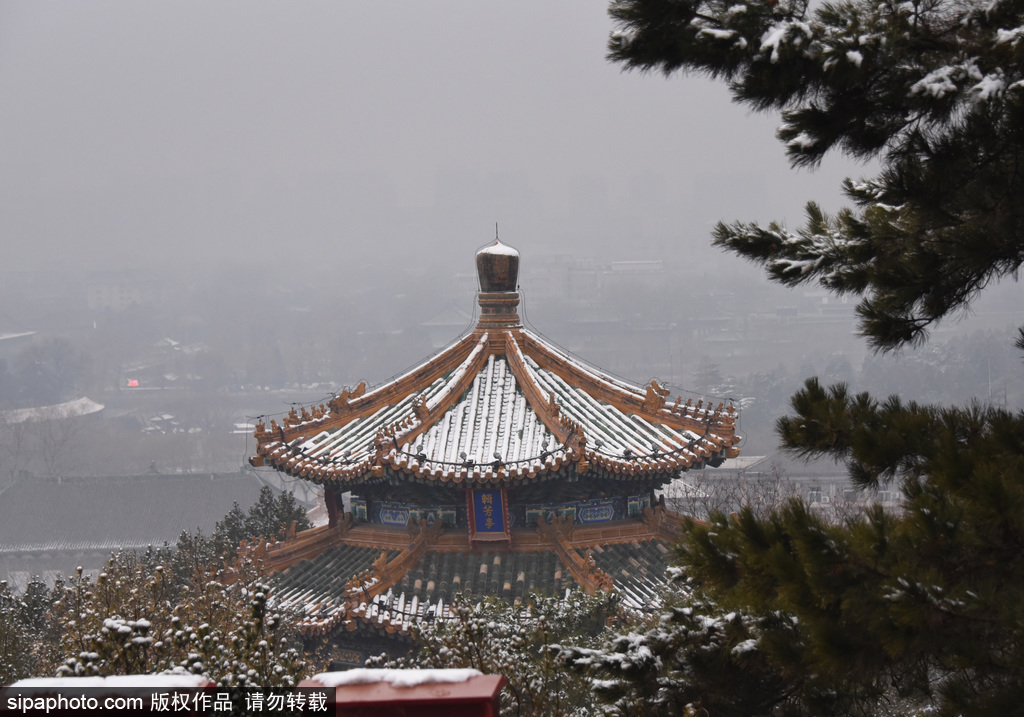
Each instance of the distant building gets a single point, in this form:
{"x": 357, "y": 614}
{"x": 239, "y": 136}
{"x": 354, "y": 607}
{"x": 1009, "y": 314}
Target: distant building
{"x": 499, "y": 466}
{"x": 69, "y": 409}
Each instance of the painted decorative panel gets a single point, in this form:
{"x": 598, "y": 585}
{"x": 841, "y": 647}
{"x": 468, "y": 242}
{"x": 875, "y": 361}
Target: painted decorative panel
{"x": 392, "y": 514}
{"x": 633, "y": 506}
{"x": 359, "y": 508}
{"x": 595, "y": 511}
{"x": 432, "y": 513}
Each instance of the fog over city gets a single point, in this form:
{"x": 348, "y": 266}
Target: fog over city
{"x": 209, "y": 211}
{"x": 354, "y": 137}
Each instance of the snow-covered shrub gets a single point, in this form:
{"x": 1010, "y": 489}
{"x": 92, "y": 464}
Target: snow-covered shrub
{"x": 495, "y": 637}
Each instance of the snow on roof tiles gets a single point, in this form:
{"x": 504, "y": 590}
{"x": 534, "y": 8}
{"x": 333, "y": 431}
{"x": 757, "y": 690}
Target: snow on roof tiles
{"x": 501, "y": 405}
{"x": 481, "y": 422}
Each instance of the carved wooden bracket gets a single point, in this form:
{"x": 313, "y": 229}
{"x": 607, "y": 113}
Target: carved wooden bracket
{"x": 730, "y": 415}
{"x": 356, "y": 587}
{"x": 378, "y": 447}
{"x": 558, "y": 526}
{"x": 380, "y": 564}
{"x": 554, "y": 409}
{"x": 599, "y": 578}
{"x": 430, "y": 531}
{"x": 575, "y": 439}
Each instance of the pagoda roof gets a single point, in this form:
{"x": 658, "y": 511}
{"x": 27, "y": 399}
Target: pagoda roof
{"x": 501, "y": 406}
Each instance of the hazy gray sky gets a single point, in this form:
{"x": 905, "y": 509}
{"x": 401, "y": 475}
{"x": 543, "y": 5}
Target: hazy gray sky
{"x": 333, "y": 134}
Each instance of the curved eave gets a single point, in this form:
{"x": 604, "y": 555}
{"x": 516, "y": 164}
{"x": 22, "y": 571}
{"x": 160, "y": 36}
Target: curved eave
{"x": 648, "y": 403}
{"x": 357, "y": 403}
{"x": 403, "y": 467}
{"x": 480, "y": 384}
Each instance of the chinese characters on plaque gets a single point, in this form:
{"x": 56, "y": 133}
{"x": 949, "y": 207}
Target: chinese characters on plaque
{"x": 488, "y": 511}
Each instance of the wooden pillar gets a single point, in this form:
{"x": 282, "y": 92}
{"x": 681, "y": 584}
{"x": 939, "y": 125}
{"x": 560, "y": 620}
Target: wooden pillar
{"x": 331, "y": 501}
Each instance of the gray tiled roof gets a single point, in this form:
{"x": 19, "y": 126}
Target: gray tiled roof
{"x": 638, "y": 568}
{"x": 323, "y": 578}
{"x": 89, "y": 514}
{"x": 427, "y": 589}
{"x": 509, "y": 575}
{"x": 316, "y": 587}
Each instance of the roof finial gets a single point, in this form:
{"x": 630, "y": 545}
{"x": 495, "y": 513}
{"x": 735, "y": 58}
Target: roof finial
{"x": 495, "y": 231}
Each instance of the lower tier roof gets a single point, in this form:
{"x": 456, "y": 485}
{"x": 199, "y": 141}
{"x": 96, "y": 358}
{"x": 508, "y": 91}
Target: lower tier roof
{"x": 362, "y": 576}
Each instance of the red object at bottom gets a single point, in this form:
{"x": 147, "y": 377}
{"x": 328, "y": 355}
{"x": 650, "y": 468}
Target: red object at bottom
{"x": 476, "y": 697}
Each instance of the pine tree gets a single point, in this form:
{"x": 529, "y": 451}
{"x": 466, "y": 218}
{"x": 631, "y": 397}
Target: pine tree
{"x": 16, "y": 658}
{"x": 232, "y": 527}
{"x": 270, "y": 517}
{"x": 693, "y": 657}
{"x": 135, "y": 619}
{"x": 933, "y": 90}
{"x": 921, "y": 606}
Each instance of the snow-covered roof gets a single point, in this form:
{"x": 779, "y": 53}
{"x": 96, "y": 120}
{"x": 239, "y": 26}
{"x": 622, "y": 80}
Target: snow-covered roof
{"x": 10, "y": 336}
{"x": 398, "y": 678}
{"x": 70, "y": 409}
{"x": 500, "y": 406}
{"x": 498, "y": 248}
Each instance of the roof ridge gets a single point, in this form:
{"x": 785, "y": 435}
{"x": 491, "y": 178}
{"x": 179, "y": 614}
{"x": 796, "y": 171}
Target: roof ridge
{"x": 648, "y": 402}
{"x": 358, "y": 403}
{"x": 544, "y": 406}
{"x": 426, "y": 414}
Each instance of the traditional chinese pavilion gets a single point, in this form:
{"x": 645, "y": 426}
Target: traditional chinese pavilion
{"x": 499, "y": 466}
